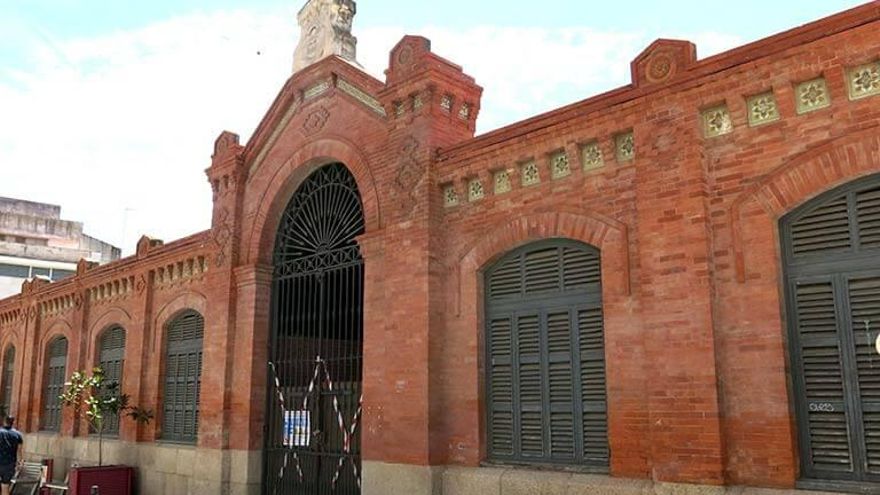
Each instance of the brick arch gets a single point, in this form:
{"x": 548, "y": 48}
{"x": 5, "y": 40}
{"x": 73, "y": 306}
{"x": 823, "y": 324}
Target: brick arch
{"x": 60, "y": 328}
{"x": 109, "y": 318}
{"x": 189, "y": 300}
{"x": 800, "y": 179}
{"x": 286, "y": 178}
{"x": 606, "y": 234}
{"x": 10, "y": 337}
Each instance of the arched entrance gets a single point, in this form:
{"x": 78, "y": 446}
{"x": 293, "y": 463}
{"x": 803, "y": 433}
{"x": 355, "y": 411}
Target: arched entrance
{"x": 312, "y": 438}
{"x": 831, "y": 248}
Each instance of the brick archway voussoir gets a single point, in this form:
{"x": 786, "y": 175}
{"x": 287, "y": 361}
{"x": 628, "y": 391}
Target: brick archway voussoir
{"x": 801, "y": 179}
{"x": 608, "y": 235}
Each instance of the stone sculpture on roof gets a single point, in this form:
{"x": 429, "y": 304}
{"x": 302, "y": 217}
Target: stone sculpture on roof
{"x": 325, "y": 30}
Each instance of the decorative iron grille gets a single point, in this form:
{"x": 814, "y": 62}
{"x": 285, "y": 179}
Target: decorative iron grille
{"x": 314, "y": 401}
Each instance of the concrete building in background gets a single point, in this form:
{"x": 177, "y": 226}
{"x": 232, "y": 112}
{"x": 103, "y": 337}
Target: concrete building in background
{"x": 36, "y": 242}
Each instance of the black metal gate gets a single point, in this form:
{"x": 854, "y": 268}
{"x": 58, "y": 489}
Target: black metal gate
{"x": 314, "y": 403}
{"x": 832, "y": 253}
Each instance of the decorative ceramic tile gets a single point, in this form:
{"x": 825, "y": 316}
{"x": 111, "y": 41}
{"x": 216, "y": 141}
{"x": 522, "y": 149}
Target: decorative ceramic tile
{"x": 464, "y": 112}
{"x": 399, "y": 108}
{"x": 716, "y": 121}
{"x": 530, "y": 174}
{"x": 762, "y": 109}
{"x": 812, "y": 95}
{"x": 502, "y": 181}
{"x": 559, "y": 166}
{"x": 446, "y": 102}
{"x": 475, "y": 190}
{"x": 625, "y": 147}
{"x": 591, "y": 156}
{"x": 450, "y": 195}
{"x": 315, "y": 90}
{"x": 864, "y": 80}
{"x": 417, "y": 102}
{"x": 360, "y": 95}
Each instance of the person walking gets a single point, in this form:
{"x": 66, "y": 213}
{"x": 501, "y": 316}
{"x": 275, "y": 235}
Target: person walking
{"x": 10, "y": 454}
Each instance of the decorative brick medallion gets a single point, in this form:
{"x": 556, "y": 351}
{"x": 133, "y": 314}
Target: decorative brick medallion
{"x": 502, "y": 181}
{"x": 559, "y": 166}
{"x": 450, "y": 196}
{"x": 464, "y": 112}
{"x": 812, "y": 95}
{"x": 762, "y": 109}
{"x": 417, "y": 101}
{"x": 475, "y": 190}
{"x": 315, "y": 121}
{"x": 399, "y": 108}
{"x": 716, "y": 121}
{"x": 591, "y": 156}
{"x": 864, "y": 80}
{"x": 530, "y": 174}
{"x": 625, "y": 148}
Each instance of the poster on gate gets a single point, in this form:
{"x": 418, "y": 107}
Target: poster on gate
{"x": 297, "y": 428}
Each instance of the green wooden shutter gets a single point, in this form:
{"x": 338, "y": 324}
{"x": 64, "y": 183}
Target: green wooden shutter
{"x": 111, "y": 358}
{"x": 56, "y": 374}
{"x": 864, "y": 302}
{"x": 8, "y": 375}
{"x": 183, "y": 372}
{"x": 592, "y": 378}
{"x": 824, "y": 229}
{"x": 545, "y": 349}
{"x": 501, "y": 387}
{"x": 868, "y": 217}
{"x": 820, "y": 354}
{"x": 530, "y": 386}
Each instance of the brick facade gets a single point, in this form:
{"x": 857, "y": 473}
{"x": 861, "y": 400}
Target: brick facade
{"x": 687, "y": 225}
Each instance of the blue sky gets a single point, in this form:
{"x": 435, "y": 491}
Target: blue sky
{"x": 109, "y": 105}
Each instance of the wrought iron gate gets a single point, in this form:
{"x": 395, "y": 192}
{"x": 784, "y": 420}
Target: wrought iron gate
{"x": 314, "y": 403}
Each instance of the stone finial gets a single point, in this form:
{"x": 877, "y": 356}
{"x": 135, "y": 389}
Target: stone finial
{"x": 325, "y": 30}
{"x": 145, "y": 244}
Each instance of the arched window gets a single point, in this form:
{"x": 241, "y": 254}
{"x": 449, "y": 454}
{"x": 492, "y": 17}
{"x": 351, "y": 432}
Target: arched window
{"x": 8, "y": 375}
{"x": 56, "y": 374}
{"x": 183, "y": 375}
{"x": 111, "y": 357}
{"x": 546, "y": 356}
{"x": 831, "y": 248}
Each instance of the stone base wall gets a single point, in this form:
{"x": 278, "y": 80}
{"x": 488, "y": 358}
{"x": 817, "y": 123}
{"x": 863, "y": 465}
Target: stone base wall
{"x": 398, "y": 479}
{"x": 166, "y": 469}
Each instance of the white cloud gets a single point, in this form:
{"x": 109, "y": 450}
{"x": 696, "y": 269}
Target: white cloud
{"x": 118, "y": 129}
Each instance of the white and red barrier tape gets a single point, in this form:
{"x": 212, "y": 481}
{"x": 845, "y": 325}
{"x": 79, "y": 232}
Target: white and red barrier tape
{"x": 347, "y": 433}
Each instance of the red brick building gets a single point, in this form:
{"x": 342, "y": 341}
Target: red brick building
{"x": 675, "y": 282}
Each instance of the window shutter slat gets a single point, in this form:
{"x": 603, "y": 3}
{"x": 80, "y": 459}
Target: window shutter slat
{"x": 868, "y": 217}
{"x": 541, "y": 271}
{"x": 823, "y": 377}
{"x": 55, "y": 376}
{"x": 591, "y": 337}
{"x": 824, "y": 229}
{"x": 183, "y": 369}
{"x": 111, "y": 358}
{"x": 501, "y": 387}
{"x": 864, "y": 299}
{"x": 8, "y": 375}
